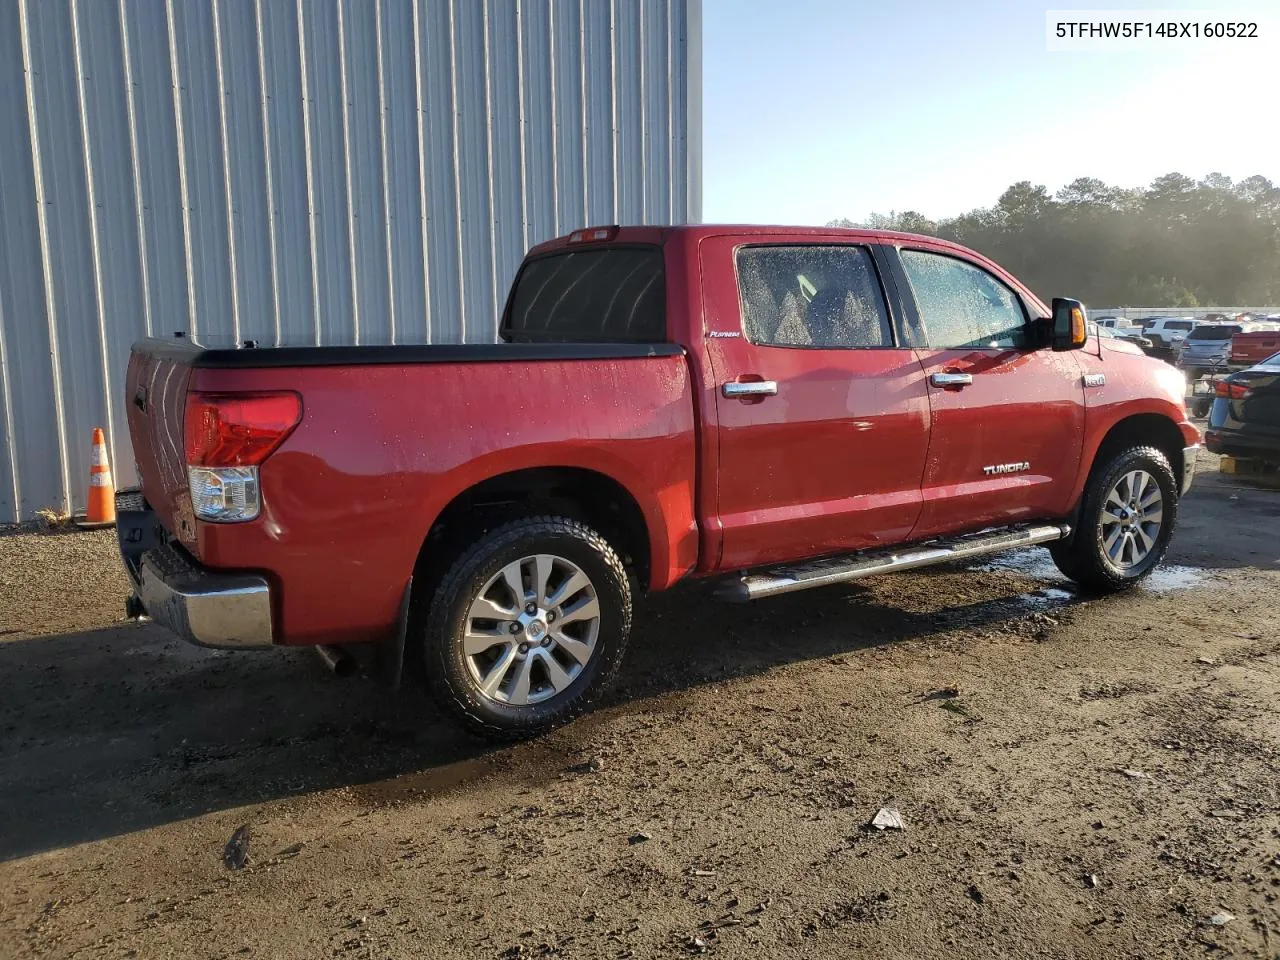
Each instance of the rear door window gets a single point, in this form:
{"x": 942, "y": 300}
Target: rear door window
{"x": 590, "y": 296}
{"x": 812, "y": 296}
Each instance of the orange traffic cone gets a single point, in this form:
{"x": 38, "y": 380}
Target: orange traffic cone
{"x": 102, "y": 491}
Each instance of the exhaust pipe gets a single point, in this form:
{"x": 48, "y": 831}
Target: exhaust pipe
{"x": 133, "y": 608}
{"x": 339, "y": 662}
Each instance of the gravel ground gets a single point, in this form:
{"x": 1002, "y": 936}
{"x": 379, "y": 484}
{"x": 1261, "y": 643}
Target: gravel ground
{"x": 1082, "y": 778}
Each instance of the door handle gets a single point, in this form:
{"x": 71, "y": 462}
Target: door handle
{"x": 951, "y": 379}
{"x": 751, "y": 388}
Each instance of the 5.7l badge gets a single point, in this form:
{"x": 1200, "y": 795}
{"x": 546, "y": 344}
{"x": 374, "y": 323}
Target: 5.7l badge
{"x": 998, "y": 468}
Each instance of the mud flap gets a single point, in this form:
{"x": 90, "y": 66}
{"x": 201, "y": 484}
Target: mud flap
{"x": 389, "y": 660}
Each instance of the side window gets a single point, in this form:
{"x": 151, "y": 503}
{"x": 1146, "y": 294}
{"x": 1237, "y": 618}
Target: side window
{"x": 811, "y": 296}
{"x": 961, "y": 305}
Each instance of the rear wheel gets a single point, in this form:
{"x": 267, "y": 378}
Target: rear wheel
{"x": 527, "y": 626}
{"x": 1127, "y": 517}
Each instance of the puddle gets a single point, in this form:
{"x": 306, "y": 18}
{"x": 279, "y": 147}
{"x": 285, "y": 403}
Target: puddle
{"x": 1046, "y": 597}
{"x": 1169, "y": 577}
{"x": 1038, "y": 565}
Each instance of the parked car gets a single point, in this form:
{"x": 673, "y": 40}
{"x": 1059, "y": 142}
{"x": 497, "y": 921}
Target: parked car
{"x": 1124, "y": 329}
{"x": 1245, "y": 418}
{"x": 778, "y": 408}
{"x": 1113, "y": 333}
{"x": 1166, "y": 333}
{"x": 1137, "y": 338}
{"x": 1207, "y": 348}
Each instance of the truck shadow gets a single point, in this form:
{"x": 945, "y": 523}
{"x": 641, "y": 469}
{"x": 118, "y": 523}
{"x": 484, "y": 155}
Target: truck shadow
{"x": 115, "y": 730}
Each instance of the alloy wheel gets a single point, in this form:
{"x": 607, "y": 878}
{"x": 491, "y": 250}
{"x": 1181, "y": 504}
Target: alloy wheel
{"x": 1131, "y": 519}
{"x": 531, "y": 629}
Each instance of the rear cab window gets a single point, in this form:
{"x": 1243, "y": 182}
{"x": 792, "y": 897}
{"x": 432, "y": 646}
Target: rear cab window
{"x": 613, "y": 295}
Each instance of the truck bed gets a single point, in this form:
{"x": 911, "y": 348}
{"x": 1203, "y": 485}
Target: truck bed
{"x": 390, "y": 435}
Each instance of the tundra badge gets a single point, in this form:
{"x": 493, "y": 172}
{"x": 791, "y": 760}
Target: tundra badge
{"x": 998, "y": 468}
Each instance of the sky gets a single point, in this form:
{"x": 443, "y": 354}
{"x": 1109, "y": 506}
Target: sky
{"x": 819, "y": 109}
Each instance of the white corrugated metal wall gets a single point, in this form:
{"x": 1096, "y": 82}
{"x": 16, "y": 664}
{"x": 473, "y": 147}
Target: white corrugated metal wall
{"x": 303, "y": 171}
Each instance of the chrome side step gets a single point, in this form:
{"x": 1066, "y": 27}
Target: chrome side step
{"x": 820, "y": 573}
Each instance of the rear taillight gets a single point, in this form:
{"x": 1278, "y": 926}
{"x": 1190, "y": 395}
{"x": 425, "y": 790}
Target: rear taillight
{"x": 238, "y": 430}
{"x": 227, "y": 437}
{"x": 1232, "y": 391}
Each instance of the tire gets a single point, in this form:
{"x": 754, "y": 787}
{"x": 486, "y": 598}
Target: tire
{"x": 1200, "y": 407}
{"x": 1091, "y": 557}
{"x": 505, "y": 692}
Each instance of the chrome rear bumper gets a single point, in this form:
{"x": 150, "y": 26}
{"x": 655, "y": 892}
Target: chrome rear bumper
{"x": 205, "y": 607}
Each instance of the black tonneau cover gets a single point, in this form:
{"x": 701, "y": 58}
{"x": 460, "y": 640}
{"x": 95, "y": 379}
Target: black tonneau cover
{"x": 184, "y": 351}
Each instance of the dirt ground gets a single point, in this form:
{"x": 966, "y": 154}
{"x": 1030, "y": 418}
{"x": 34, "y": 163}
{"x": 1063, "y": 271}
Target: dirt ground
{"x": 1077, "y": 778}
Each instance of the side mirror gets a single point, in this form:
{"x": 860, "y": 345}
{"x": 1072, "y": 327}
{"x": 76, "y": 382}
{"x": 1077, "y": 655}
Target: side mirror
{"x": 1069, "y": 329}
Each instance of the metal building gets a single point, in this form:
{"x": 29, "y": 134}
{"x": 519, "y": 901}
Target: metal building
{"x": 302, "y": 171}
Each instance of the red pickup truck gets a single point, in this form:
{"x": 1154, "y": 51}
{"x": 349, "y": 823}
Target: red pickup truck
{"x": 780, "y": 408}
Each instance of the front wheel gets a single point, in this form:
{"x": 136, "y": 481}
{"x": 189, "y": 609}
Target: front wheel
{"x": 1127, "y": 517}
{"x": 527, "y": 626}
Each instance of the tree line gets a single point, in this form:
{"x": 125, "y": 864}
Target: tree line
{"x": 1176, "y": 243}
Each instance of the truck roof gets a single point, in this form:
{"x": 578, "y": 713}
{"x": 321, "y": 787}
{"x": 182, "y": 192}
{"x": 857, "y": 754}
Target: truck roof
{"x": 614, "y": 233}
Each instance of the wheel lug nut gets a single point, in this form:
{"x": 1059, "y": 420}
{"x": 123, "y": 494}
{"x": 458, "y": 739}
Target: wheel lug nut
{"x": 551, "y": 616}
{"x": 515, "y": 628}
{"x": 546, "y": 641}
{"x": 530, "y": 608}
{"x": 524, "y": 648}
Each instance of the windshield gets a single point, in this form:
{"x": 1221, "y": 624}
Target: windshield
{"x": 1214, "y": 333}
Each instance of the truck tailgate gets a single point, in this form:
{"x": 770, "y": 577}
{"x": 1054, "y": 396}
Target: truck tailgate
{"x": 1254, "y": 347}
{"x": 155, "y": 397}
